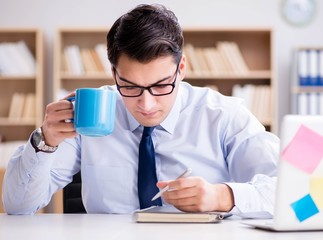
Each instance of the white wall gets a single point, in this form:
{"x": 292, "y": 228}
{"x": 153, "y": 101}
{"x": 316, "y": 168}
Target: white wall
{"x": 50, "y": 15}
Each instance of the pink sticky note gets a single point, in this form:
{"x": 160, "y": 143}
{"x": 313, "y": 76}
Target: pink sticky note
{"x": 305, "y": 150}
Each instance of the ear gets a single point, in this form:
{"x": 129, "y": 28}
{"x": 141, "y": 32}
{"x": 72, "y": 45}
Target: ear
{"x": 112, "y": 71}
{"x": 182, "y": 67}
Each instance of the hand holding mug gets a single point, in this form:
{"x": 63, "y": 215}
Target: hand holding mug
{"x": 93, "y": 115}
{"x": 55, "y": 128}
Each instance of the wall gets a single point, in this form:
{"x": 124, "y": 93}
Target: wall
{"x": 50, "y": 15}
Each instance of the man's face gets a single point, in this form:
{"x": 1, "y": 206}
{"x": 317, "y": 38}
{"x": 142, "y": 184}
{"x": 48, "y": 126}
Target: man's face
{"x": 147, "y": 109}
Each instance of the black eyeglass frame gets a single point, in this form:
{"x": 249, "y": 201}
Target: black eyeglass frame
{"x": 142, "y": 89}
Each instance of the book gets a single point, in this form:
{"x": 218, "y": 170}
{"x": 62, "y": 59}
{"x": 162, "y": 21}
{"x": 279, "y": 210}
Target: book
{"x": 320, "y": 66}
{"x": 16, "y": 59}
{"x": 27, "y": 57}
{"x": 303, "y": 68}
{"x": 97, "y": 62}
{"x": 169, "y": 214}
{"x": 302, "y": 103}
{"x": 190, "y": 53}
{"x": 88, "y": 61}
{"x": 74, "y": 60}
{"x": 241, "y": 64}
{"x": 29, "y": 109}
{"x": 200, "y": 56}
{"x": 225, "y": 56}
{"x": 313, "y": 61}
{"x": 101, "y": 51}
{"x": 320, "y": 103}
{"x": 16, "y": 106}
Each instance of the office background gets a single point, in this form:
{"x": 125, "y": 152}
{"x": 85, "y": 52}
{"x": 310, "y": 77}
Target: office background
{"x": 48, "y": 16}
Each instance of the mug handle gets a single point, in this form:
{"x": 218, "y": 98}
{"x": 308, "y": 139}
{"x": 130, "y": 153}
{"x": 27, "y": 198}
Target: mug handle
{"x": 70, "y": 99}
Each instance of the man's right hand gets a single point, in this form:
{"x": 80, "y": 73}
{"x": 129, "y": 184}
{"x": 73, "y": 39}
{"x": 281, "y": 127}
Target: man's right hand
{"x": 55, "y": 127}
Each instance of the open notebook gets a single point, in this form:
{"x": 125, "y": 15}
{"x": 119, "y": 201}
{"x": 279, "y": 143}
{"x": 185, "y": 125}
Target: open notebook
{"x": 169, "y": 214}
{"x": 299, "y": 195}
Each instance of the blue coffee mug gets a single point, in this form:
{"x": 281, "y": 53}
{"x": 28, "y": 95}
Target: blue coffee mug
{"x": 94, "y": 111}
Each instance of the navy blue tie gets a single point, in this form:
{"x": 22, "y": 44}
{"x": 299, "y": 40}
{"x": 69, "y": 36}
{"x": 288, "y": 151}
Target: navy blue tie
{"x": 147, "y": 177}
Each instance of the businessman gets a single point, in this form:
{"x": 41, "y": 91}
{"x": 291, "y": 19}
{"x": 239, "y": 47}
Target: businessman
{"x": 163, "y": 126}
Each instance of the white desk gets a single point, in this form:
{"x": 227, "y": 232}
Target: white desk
{"x": 111, "y": 227}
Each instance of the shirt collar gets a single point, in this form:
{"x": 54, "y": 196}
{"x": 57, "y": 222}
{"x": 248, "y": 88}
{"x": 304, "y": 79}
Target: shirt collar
{"x": 169, "y": 123}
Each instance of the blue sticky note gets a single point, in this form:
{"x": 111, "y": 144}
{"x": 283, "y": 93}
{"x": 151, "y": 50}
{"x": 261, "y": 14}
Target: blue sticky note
{"x": 304, "y": 208}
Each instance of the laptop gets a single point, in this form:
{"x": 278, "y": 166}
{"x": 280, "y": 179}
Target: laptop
{"x": 299, "y": 192}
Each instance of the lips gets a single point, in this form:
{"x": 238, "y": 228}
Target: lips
{"x": 148, "y": 114}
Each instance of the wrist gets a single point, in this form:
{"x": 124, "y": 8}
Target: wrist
{"x": 38, "y": 142}
{"x": 226, "y": 201}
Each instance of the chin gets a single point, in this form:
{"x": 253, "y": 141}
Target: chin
{"x": 149, "y": 122}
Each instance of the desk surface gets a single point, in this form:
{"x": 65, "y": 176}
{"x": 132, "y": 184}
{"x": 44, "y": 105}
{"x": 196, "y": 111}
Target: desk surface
{"x": 113, "y": 227}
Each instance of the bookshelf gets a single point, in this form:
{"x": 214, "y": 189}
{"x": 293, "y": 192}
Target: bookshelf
{"x": 19, "y": 127}
{"x": 81, "y": 40}
{"x": 256, "y": 49}
{"x": 255, "y": 46}
{"x": 307, "y": 81}
{"x": 21, "y": 73}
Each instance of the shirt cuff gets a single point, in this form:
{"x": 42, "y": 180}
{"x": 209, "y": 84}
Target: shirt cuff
{"x": 31, "y": 159}
{"x": 246, "y": 197}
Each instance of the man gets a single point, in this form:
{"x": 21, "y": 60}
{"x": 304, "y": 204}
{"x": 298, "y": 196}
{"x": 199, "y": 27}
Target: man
{"x": 232, "y": 157}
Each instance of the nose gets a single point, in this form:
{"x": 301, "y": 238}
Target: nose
{"x": 147, "y": 101}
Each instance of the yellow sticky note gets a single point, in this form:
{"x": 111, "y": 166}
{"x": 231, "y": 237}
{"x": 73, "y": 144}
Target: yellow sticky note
{"x": 316, "y": 190}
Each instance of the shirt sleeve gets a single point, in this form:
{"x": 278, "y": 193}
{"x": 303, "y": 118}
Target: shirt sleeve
{"x": 30, "y": 179}
{"x": 252, "y": 157}
{"x": 255, "y": 196}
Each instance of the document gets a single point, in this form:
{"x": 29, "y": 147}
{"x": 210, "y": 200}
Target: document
{"x": 169, "y": 214}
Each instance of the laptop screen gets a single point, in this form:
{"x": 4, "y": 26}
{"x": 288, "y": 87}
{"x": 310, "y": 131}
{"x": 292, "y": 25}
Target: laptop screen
{"x": 299, "y": 196}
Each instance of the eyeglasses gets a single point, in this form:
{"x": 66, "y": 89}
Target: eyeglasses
{"x": 155, "y": 89}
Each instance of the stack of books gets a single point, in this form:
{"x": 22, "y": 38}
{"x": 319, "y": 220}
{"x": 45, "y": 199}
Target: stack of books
{"x": 257, "y": 98}
{"x": 83, "y": 61}
{"x": 16, "y": 59}
{"x": 223, "y": 59}
{"x": 22, "y": 106}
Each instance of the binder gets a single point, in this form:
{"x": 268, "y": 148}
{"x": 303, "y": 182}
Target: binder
{"x": 320, "y": 67}
{"x": 313, "y": 103}
{"x": 313, "y": 67}
{"x": 303, "y": 68}
{"x": 320, "y": 103}
{"x": 302, "y": 103}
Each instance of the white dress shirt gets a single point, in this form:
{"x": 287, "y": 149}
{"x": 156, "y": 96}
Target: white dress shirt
{"x": 214, "y": 135}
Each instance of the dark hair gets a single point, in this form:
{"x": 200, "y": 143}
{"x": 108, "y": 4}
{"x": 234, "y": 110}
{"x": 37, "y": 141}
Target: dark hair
{"x": 144, "y": 34}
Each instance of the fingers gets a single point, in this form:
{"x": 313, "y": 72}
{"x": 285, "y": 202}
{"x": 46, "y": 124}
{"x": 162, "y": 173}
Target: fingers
{"x": 55, "y": 127}
{"x": 59, "y": 106}
{"x": 194, "y": 194}
{"x": 190, "y": 204}
{"x": 182, "y": 191}
{"x": 183, "y": 183}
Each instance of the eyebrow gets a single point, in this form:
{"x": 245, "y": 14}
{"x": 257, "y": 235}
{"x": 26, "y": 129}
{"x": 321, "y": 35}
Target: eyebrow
{"x": 127, "y": 81}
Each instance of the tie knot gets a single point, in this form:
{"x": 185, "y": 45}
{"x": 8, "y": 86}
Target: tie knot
{"x": 148, "y": 131}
